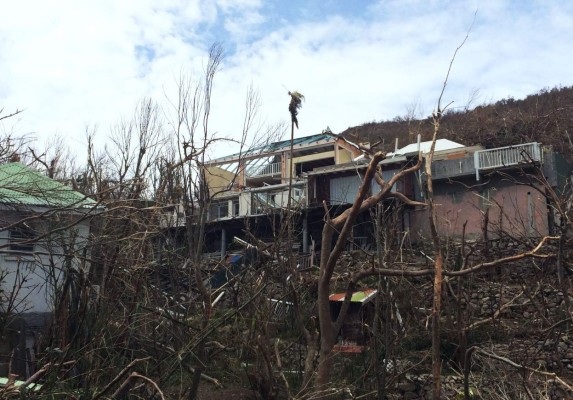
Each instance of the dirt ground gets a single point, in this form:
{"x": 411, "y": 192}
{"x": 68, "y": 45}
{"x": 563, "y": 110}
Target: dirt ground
{"x": 207, "y": 392}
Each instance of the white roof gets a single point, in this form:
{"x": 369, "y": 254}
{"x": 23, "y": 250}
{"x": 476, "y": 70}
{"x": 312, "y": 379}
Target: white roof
{"x": 441, "y": 144}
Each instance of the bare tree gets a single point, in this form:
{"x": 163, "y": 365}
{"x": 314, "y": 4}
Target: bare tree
{"x": 329, "y": 256}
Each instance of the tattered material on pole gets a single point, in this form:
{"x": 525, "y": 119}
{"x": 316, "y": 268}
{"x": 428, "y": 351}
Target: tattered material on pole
{"x": 296, "y": 99}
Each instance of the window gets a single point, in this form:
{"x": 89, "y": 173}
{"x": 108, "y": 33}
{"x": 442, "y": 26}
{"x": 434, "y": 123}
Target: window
{"x": 219, "y": 210}
{"x": 21, "y": 239}
{"x": 456, "y": 197}
{"x": 486, "y": 198}
{"x": 531, "y": 213}
{"x": 222, "y": 210}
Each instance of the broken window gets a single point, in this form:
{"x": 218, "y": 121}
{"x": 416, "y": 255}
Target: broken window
{"x": 235, "y": 208}
{"x": 22, "y": 239}
{"x": 219, "y": 210}
{"x": 486, "y": 198}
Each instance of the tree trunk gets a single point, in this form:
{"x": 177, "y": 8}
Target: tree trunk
{"x": 438, "y": 268}
{"x": 327, "y": 335}
{"x": 436, "y": 361}
{"x": 311, "y": 350}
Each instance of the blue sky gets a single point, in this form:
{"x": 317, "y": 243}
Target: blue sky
{"x": 75, "y": 65}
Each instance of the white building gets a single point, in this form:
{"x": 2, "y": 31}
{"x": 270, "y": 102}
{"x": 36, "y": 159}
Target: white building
{"x": 44, "y": 229}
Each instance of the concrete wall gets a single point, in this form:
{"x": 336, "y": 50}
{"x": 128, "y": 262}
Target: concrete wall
{"x": 517, "y": 209}
{"x": 30, "y": 278}
{"x": 218, "y": 179}
{"x": 343, "y": 156}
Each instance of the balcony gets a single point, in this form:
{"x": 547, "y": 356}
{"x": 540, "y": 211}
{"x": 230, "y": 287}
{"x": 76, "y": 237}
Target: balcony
{"x": 223, "y": 209}
{"x": 260, "y": 171}
{"x": 507, "y": 156}
{"x": 264, "y": 200}
{"x": 485, "y": 160}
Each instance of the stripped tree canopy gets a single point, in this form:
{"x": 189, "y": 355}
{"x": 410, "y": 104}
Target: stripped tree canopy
{"x": 296, "y": 99}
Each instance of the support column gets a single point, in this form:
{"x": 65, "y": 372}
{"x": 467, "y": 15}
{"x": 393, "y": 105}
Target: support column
{"x": 242, "y": 175}
{"x": 305, "y": 233}
{"x": 223, "y": 242}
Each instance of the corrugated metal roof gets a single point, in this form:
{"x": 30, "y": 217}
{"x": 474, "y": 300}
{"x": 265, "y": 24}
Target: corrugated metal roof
{"x": 306, "y": 140}
{"x": 23, "y": 186}
{"x": 361, "y": 296}
{"x": 276, "y": 146}
{"x": 297, "y": 141}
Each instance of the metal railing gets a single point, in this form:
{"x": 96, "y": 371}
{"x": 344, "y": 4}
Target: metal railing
{"x": 264, "y": 201}
{"x": 265, "y": 170}
{"x": 507, "y": 156}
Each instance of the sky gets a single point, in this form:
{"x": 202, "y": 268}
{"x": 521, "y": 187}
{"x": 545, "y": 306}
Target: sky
{"x": 74, "y": 66}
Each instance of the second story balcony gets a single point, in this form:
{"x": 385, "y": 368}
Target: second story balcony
{"x": 487, "y": 160}
{"x": 508, "y": 156}
{"x": 272, "y": 198}
{"x": 265, "y": 170}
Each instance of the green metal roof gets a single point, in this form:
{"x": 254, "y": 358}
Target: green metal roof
{"x": 20, "y": 185}
{"x": 296, "y": 141}
{"x": 283, "y": 144}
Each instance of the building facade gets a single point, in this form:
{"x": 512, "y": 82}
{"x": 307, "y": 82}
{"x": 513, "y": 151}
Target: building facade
{"x": 44, "y": 234}
{"x": 479, "y": 192}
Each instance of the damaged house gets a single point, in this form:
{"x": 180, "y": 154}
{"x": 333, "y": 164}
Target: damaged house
{"x": 476, "y": 189}
{"x": 44, "y": 229}
{"x": 480, "y": 193}
{"x": 253, "y": 187}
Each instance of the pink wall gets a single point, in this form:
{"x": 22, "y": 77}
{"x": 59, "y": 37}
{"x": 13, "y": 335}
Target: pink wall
{"x": 516, "y": 209}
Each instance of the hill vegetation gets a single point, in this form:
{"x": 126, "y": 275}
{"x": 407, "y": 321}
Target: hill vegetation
{"x": 545, "y": 116}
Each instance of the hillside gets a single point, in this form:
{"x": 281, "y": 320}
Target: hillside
{"x": 546, "y": 117}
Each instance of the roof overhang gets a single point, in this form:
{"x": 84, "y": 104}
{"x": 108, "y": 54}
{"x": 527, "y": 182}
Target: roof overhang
{"x": 353, "y": 166}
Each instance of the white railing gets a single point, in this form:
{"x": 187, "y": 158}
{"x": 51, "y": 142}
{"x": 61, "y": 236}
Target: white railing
{"x": 265, "y": 170}
{"x": 262, "y": 202}
{"x": 507, "y": 156}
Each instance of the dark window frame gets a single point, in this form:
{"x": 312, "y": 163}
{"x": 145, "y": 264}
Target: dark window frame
{"x": 22, "y": 239}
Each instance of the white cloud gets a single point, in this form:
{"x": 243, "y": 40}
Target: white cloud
{"x": 69, "y": 64}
